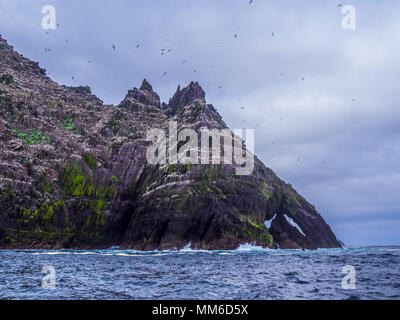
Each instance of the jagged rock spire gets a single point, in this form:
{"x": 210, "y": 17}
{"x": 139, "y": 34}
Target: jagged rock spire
{"x": 144, "y": 95}
{"x": 183, "y": 97}
{"x": 146, "y": 86}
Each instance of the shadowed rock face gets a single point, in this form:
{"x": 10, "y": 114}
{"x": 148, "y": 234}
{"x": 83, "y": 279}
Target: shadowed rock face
{"x": 74, "y": 174}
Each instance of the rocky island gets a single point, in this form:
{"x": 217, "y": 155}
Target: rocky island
{"x": 73, "y": 174}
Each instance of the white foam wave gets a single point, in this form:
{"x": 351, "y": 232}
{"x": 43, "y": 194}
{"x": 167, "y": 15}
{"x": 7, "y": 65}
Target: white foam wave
{"x": 248, "y": 247}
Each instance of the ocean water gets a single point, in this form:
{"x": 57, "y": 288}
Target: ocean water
{"x": 246, "y": 273}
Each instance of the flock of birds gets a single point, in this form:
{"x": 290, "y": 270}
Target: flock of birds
{"x": 164, "y": 51}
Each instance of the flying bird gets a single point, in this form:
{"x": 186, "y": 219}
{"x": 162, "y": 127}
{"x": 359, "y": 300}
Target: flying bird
{"x": 137, "y": 46}
{"x": 235, "y": 35}
{"x": 164, "y": 73}
{"x": 113, "y": 46}
{"x": 251, "y": 1}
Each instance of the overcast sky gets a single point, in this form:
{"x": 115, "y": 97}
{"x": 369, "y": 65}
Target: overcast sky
{"x": 334, "y": 135}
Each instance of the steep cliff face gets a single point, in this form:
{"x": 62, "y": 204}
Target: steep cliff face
{"x": 74, "y": 174}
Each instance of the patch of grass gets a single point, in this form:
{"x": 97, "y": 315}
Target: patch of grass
{"x": 7, "y": 192}
{"x": 264, "y": 191}
{"x": 89, "y": 161}
{"x": 144, "y": 188}
{"x": 46, "y": 186}
{"x": 69, "y": 124}
{"x": 76, "y": 183}
{"x": 35, "y": 137}
{"x": 187, "y": 167}
{"x": 114, "y": 178}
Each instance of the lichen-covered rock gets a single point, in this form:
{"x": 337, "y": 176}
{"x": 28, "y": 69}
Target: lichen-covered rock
{"x": 74, "y": 174}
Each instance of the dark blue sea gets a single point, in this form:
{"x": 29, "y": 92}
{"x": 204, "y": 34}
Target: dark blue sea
{"x": 246, "y": 273}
